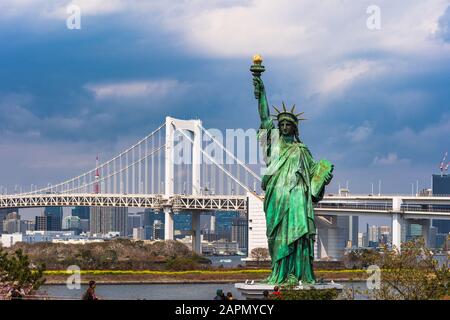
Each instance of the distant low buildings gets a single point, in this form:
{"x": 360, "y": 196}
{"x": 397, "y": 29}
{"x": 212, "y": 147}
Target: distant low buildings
{"x": 139, "y": 233}
{"x": 8, "y": 240}
{"x": 220, "y": 247}
{"x": 67, "y": 237}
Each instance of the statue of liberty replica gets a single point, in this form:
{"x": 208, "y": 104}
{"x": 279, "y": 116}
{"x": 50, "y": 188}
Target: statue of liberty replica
{"x": 292, "y": 182}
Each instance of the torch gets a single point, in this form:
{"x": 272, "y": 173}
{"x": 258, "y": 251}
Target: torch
{"x": 257, "y": 68}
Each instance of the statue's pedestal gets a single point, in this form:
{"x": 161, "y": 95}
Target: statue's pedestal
{"x": 255, "y": 291}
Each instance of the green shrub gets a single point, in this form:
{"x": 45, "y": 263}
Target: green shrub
{"x": 16, "y": 271}
{"x": 307, "y": 294}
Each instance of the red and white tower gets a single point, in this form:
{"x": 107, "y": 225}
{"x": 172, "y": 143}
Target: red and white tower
{"x": 97, "y": 177}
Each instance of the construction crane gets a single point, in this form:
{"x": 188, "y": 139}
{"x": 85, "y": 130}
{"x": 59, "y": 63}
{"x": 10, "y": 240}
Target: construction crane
{"x": 443, "y": 166}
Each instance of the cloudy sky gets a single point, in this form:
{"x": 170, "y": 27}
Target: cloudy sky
{"x": 377, "y": 101}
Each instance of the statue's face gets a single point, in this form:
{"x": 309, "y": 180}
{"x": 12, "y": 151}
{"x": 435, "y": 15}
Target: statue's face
{"x": 287, "y": 128}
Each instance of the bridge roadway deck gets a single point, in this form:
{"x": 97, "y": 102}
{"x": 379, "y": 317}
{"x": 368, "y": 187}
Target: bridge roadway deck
{"x": 330, "y": 205}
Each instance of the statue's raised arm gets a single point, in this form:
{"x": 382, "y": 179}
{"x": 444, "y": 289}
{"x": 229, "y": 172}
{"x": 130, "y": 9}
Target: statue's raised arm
{"x": 263, "y": 106}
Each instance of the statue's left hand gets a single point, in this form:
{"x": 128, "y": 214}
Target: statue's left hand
{"x": 330, "y": 175}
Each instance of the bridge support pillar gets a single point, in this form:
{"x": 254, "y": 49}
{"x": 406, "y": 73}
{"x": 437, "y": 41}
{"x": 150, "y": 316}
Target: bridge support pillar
{"x": 196, "y": 157}
{"x": 256, "y": 223}
{"x": 321, "y": 242}
{"x": 396, "y": 230}
{"x": 196, "y": 234}
{"x": 168, "y": 223}
{"x": 330, "y": 242}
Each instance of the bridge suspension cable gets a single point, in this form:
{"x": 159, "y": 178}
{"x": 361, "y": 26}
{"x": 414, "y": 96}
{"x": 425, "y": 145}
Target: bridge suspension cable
{"x": 93, "y": 177}
{"x": 257, "y": 177}
{"x": 229, "y": 174}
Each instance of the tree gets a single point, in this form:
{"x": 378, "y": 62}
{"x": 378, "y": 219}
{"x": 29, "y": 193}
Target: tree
{"x": 411, "y": 274}
{"x": 259, "y": 254}
{"x": 16, "y": 272}
{"x": 360, "y": 258}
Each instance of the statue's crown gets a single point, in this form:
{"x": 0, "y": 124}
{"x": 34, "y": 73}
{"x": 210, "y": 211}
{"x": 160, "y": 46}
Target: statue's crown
{"x": 287, "y": 115}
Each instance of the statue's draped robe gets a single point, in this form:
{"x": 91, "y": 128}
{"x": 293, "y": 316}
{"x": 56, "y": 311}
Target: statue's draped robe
{"x": 292, "y": 183}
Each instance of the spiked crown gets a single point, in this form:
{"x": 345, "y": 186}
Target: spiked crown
{"x": 290, "y": 116}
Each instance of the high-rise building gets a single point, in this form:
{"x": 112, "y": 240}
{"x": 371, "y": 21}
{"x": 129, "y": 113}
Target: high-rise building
{"x": 208, "y": 227}
{"x": 361, "y": 242}
{"x": 353, "y": 224}
{"x": 441, "y": 185}
{"x": 384, "y": 235}
{"x": 239, "y": 232}
{"x": 148, "y": 232}
{"x": 13, "y": 224}
{"x": 3, "y": 214}
{"x": 441, "y": 240}
{"x": 224, "y": 220}
{"x": 54, "y": 218}
{"x": 72, "y": 223}
{"x": 442, "y": 231}
{"x": 432, "y": 236}
{"x": 443, "y": 226}
{"x": 384, "y": 230}
{"x": 135, "y": 220}
{"x": 411, "y": 231}
{"x": 372, "y": 236}
{"x": 212, "y": 223}
{"x": 158, "y": 230}
{"x": 182, "y": 221}
{"x": 84, "y": 225}
{"x": 108, "y": 219}
{"x": 81, "y": 212}
{"x": 150, "y": 216}
{"x": 29, "y": 225}
{"x": 41, "y": 223}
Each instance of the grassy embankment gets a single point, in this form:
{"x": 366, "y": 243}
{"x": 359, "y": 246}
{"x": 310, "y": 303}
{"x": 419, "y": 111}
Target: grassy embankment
{"x": 125, "y": 261}
{"x": 190, "y": 276}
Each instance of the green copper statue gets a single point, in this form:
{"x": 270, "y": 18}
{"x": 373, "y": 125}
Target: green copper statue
{"x": 293, "y": 181}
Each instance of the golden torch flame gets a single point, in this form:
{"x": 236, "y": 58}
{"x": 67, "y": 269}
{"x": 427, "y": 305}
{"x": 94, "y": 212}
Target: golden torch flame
{"x": 257, "y": 59}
